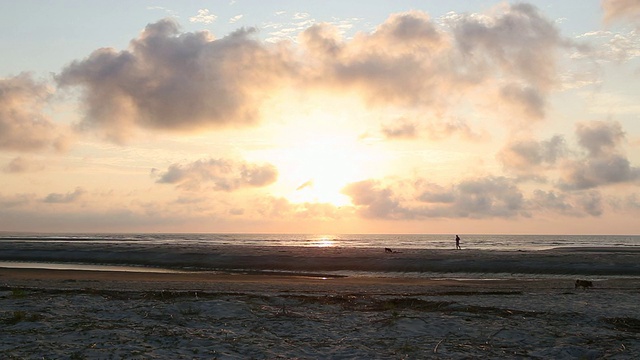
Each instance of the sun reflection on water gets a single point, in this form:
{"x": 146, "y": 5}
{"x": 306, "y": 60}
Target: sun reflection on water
{"x": 324, "y": 241}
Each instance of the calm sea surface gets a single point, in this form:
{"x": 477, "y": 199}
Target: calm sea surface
{"x": 399, "y": 241}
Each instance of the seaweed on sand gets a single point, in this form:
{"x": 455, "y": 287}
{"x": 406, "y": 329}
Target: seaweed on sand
{"x": 626, "y": 324}
{"x": 358, "y": 302}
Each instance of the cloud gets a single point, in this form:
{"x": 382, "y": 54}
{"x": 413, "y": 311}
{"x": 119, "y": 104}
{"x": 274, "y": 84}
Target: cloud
{"x": 57, "y": 198}
{"x": 171, "y": 81}
{"x": 607, "y": 46}
{"x": 520, "y": 41}
{"x": 372, "y": 200}
{"x": 528, "y": 99}
{"x": 433, "y": 193}
{"x": 632, "y": 202}
{"x": 390, "y": 66}
{"x": 224, "y": 174}
{"x": 551, "y": 200}
{"x": 401, "y": 129}
{"x": 517, "y": 47}
{"x": 15, "y": 200}
{"x": 599, "y": 137}
{"x": 235, "y": 19}
{"x": 441, "y": 129}
{"x": 508, "y": 56}
{"x": 615, "y": 10}
{"x": 204, "y": 16}
{"x": 601, "y": 171}
{"x": 487, "y": 197}
{"x": 604, "y": 163}
{"x": 476, "y": 198}
{"x": 21, "y": 165}
{"x": 572, "y": 204}
{"x": 23, "y": 123}
{"x": 529, "y": 155}
{"x": 591, "y": 202}
{"x": 305, "y": 185}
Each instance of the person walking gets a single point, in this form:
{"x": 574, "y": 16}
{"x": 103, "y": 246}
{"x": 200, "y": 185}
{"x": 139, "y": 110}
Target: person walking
{"x": 458, "y": 243}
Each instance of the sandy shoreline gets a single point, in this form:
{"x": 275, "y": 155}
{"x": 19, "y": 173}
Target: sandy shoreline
{"x": 90, "y": 314}
{"x": 604, "y": 262}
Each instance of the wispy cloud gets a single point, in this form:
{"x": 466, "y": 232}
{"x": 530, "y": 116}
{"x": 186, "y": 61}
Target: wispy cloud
{"x": 204, "y": 16}
{"x": 235, "y": 19}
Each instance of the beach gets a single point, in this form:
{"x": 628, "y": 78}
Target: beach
{"x": 76, "y": 314}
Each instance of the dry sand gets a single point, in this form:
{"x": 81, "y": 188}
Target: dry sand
{"x": 67, "y": 314}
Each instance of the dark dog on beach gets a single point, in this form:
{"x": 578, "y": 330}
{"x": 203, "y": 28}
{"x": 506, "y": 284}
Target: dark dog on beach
{"x": 387, "y": 250}
{"x": 584, "y": 284}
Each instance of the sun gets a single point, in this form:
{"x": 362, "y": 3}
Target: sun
{"x": 321, "y": 169}
{"x": 315, "y": 169}
{"x": 319, "y": 149}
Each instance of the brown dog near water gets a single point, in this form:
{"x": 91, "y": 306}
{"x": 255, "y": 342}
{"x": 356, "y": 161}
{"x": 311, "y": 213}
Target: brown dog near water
{"x": 584, "y": 284}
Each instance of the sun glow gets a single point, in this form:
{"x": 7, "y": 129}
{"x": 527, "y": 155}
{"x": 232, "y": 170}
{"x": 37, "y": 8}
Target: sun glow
{"x": 321, "y": 169}
{"x": 318, "y": 149}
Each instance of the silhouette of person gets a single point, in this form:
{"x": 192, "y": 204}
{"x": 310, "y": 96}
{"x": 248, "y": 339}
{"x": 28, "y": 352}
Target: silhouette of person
{"x": 458, "y": 243}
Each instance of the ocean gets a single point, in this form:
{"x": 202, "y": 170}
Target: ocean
{"x": 412, "y": 255}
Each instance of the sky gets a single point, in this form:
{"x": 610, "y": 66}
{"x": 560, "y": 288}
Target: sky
{"x": 303, "y": 116}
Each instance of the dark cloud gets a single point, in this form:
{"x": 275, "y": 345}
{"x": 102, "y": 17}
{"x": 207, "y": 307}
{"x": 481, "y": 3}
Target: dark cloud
{"x": 572, "y": 204}
{"x": 518, "y": 47}
{"x": 479, "y": 198}
{"x": 410, "y": 60}
{"x": 488, "y": 197}
{"x": 599, "y": 137}
{"x": 604, "y": 164}
{"x": 23, "y": 124}
{"x": 169, "y": 80}
{"x": 520, "y": 41}
{"x": 396, "y": 64}
{"x": 550, "y": 200}
{"x": 528, "y": 99}
{"x": 632, "y": 202}
{"x": 57, "y": 198}
{"x": 591, "y": 203}
{"x": 528, "y": 155}
{"x": 600, "y": 171}
{"x": 225, "y": 175}
{"x": 433, "y": 193}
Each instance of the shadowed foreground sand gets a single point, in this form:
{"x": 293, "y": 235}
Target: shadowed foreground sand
{"x": 91, "y": 314}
